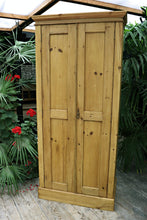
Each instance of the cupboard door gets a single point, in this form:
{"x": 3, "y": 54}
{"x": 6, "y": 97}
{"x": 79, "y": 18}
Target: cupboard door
{"x": 94, "y": 98}
{"x": 59, "y": 106}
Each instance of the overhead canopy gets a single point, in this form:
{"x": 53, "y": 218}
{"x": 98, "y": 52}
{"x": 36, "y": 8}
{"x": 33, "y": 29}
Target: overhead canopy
{"x": 13, "y": 12}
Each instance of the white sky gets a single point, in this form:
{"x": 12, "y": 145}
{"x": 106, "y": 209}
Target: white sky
{"x": 25, "y": 7}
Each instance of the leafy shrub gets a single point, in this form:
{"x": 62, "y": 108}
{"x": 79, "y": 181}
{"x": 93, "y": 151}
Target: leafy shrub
{"x": 132, "y": 150}
{"x": 18, "y": 141}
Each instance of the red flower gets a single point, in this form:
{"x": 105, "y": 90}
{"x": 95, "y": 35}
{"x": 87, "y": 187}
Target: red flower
{"x": 8, "y": 77}
{"x": 17, "y": 129}
{"x": 29, "y": 162}
{"x": 17, "y": 76}
{"x": 31, "y": 112}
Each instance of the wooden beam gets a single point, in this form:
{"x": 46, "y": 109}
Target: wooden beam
{"x": 39, "y": 10}
{"x": 105, "y": 5}
{"x": 43, "y": 7}
{"x": 5, "y": 29}
{"x": 28, "y": 30}
{"x": 13, "y": 16}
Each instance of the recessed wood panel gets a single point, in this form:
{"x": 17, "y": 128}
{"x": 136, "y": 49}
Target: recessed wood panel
{"x": 58, "y": 66}
{"x": 92, "y": 131}
{"x": 94, "y": 62}
{"x": 59, "y": 150}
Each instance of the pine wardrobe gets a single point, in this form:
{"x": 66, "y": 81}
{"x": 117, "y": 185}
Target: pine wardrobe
{"x": 78, "y": 71}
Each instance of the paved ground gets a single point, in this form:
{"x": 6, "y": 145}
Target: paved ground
{"x": 130, "y": 204}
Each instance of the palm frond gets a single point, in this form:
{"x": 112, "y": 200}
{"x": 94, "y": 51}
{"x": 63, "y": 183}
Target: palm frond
{"x": 10, "y": 175}
{"x": 8, "y": 93}
{"x": 133, "y": 105}
{"x": 22, "y": 149}
{"x": 4, "y": 160}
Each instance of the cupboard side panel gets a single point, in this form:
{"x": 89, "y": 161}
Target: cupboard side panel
{"x": 46, "y": 104}
{"x": 115, "y": 106}
{"x": 38, "y": 33}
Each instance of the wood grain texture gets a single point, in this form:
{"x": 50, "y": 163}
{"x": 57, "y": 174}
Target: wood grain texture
{"x": 89, "y": 105}
{"x": 115, "y": 107}
{"x": 90, "y": 158}
{"x": 80, "y": 103}
{"x": 71, "y": 152}
{"x": 38, "y": 34}
{"x": 77, "y": 199}
{"x": 12, "y": 16}
{"x": 59, "y": 186}
{"x": 43, "y": 7}
{"x": 69, "y": 17}
{"x": 59, "y": 114}
{"x": 46, "y": 106}
{"x": 59, "y": 106}
{"x": 107, "y": 101}
{"x": 5, "y": 29}
{"x": 92, "y": 191}
{"x": 79, "y": 21}
{"x": 59, "y": 151}
{"x": 79, "y": 97}
{"x": 28, "y": 30}
{"x": 58, "y": 65}
{"x": 93, "y": 116}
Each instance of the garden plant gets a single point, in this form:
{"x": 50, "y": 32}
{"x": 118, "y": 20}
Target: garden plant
{"x": 132, "y": 152}
{"x": 18, "y": 140}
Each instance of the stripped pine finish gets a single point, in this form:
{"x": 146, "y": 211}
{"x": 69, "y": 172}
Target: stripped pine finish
{"x": 79, "y": 69}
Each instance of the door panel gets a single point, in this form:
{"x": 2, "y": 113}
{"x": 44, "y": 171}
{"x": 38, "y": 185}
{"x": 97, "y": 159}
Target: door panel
{"x": 94, "y": 62}
{"x": 91, "y": 152}
{"x": 59, "y": 68}
{"x": 59, "y": 106}
{"x": 94, "y": 96}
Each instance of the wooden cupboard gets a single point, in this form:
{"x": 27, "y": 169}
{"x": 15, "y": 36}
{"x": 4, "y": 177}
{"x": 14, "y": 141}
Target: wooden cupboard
{"x": 78, "y": 63}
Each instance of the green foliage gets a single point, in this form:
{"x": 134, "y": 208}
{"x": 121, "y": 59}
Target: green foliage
{"x": 133, "y": 149}
{"x": 7, "y": 121}
{"x": 4, "y": 159}
{"x": 22, "y": 146}
{"x": 133, "y": 107}
{"x": 18, "y": 151}
{"x": 13, "y": 53}
{"x": 8, "y": 93}
{"x": 10, "y": 175}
